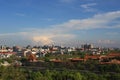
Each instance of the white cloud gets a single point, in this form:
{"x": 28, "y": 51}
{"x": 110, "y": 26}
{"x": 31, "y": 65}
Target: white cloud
{"x": 20, "y": 14}
{"x": 97, "y": 21}
{"x": 46, "y": 19}
{"x": 49, "y": 19}
{"x": 112, "y": 33}
{"x": 41, "y": 36}
{"x": 106, "y": 42}
{"x": 43, "y": 39}
{"x": 66, "y": 1}
{"x": 64, "y": 33}
{"x": 89, "y": 7}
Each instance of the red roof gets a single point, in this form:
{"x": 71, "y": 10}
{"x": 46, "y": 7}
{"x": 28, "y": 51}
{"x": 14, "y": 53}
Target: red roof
{"x": 92, "y": 57}
{"x": 77, "y": 59}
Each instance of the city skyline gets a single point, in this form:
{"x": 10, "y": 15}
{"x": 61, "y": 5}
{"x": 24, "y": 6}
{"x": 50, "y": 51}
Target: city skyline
{"x": 60, "y": 22}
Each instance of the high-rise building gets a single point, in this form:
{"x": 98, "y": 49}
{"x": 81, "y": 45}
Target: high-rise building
{"x": 87, "y": 46}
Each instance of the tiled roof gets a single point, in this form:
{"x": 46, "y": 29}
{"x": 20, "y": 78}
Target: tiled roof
{"x": 77, "y": 59}
{"x": 92, "y": 56}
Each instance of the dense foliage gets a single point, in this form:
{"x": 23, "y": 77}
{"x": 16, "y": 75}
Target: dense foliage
{"x": 17, "y": 73}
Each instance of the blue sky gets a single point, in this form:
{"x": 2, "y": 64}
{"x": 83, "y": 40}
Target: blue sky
{"x": 62, "y": 22}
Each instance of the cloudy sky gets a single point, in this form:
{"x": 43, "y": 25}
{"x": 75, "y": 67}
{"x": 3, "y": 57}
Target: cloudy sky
{"x": 60, "y": 22}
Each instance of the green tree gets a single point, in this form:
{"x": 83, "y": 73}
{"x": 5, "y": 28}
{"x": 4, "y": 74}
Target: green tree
{"x": 115, "y": 76}
{"x": 77, "y": 76}
{"x": 37, "y": 76}
{"x": 91, "y": 76}
{"x": 48, "y": 75}
{"x": 11, "y": 73}
{"x": 46, "y": 59}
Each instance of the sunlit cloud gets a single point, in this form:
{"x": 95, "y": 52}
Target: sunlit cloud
{"x": 45, "y": 40}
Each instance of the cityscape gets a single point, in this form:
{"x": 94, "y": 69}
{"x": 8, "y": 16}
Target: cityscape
{"x": 86, "y": 50}
{"x": 85, "y": 59}
{"x": 59, "y": 40}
